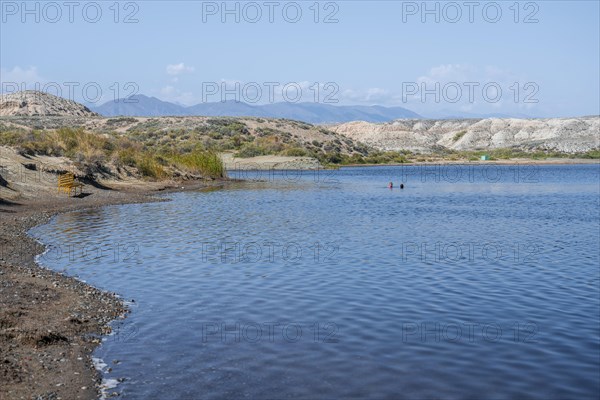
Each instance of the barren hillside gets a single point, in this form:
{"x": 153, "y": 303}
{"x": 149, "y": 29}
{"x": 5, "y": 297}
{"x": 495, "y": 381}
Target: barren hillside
{"x": 566, "y": 135}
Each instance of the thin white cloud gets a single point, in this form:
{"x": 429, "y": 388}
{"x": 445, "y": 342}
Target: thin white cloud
{"x": 178, "y": 69}
{"x": 369, "y": 96}
{"x": 23, "y": 78}
{"x": 172, "y": 94}
{"x": 469, "y": 88}
{"x": 451, "y": 73}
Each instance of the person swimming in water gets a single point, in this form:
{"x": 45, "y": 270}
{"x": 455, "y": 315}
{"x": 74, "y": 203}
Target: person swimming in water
{"x": 402, "y": 186}
{"x": 391, "y": 185}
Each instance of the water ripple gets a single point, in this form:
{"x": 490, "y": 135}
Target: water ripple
{"x": 348, "y": 290}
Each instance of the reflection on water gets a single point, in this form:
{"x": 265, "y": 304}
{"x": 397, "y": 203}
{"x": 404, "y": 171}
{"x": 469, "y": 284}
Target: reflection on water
{"x": 334, "y": 286}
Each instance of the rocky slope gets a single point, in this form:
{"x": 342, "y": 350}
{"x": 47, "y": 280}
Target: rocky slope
{"x": 567, "y": 135}
{"x": 34, "y": 103}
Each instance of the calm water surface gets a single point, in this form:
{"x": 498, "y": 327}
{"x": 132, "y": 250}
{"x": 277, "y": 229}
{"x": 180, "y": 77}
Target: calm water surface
{"x": 472, "y": 282}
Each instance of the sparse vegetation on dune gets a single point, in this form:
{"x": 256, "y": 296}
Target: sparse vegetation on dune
{"x": 98, "y": 152}
{"x": 163, "y": 147}
{"x": 244, "y": 137}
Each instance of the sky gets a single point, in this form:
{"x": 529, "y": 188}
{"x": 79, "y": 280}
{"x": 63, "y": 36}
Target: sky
{"x": 537, "y": 59}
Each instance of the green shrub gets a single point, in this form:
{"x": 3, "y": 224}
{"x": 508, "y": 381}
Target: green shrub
{"x": 295, "y": 152}
{"x": 459, "y": 135}
{"x": 250, "y": 150}
{"x": 148, "y": 166}
{"x": 594, "y": 154}
{"x": 126, "y": 157}
{"x": 207, "y": 163}
{"x": 353, "y": 159}
{"x": 333, "y": 158}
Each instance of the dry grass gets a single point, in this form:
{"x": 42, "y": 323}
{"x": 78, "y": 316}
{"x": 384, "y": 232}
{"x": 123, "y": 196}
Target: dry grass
{"x": 205, "y": 162}
{"x": 91, "y": 150}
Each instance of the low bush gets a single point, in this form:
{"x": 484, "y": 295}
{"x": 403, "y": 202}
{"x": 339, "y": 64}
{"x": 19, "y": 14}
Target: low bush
{"x": 92, "y": 151}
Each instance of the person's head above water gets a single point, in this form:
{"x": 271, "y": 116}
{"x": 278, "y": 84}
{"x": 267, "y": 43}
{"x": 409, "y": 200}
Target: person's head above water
{"x": 402, "y": 186}
{"x": 391, "y": 185}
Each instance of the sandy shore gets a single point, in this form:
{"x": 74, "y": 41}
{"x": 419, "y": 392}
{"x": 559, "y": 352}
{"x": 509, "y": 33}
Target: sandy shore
{"x": 48, "y": 321}
{"x": 269, "y": 163}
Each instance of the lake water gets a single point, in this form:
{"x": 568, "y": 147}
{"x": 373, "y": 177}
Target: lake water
{"x": 471, "y": 282}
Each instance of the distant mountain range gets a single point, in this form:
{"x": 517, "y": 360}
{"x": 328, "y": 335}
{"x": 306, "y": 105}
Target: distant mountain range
{"x": 39, "y": 103}
{"x": 316, "y": 113}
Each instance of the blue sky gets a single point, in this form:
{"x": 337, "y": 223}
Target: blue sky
{"x": 378, "y": 52}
